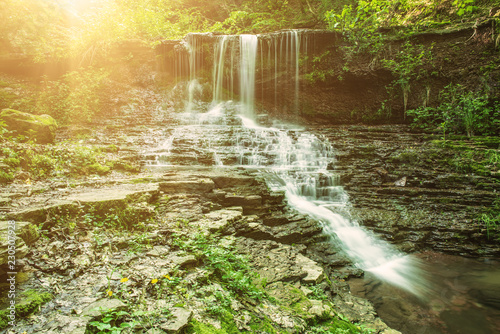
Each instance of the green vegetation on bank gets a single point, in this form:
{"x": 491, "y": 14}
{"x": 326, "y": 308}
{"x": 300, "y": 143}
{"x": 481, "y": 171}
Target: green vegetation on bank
{"x": 32, "y": 162}
{"x": 26, "y": 304}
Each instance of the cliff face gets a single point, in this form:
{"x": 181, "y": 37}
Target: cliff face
{"x": 310, "y": 76}
{"x": 467, "y": 56}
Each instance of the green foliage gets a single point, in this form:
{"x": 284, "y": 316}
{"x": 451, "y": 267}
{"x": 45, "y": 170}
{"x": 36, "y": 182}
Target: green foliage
{"x": 35, "y": 27}
{"x": 464, "y": 6}
{"x": 320, "y": 70}
{"x": 77, "y": 97}
{"x": 113, "y": 322}
{"x": 30, "y": 302}
{"x": 43, "y": 161}
{"x": 491, "y": 218}
{"x": 360, "y": 24}
{"x": 467, "y": 158}
{"x": 407, "y": 66}
{"x": 459, "y": 112}
{"x": 247, "y": 22}
{"x": 118, "y": 217}
{"x": 230, "y": 269}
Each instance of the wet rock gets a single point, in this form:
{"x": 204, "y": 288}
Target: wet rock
{"x": 183, "y": 261}
{"x": 219, "y": 220}
{"x": 202, "y": 186}
{"x": 42, "y": 128}
{"x": 486, "y": 289}
{"x": 314, "y": 273}
{"x": 181, "y": 318}
{"x": 10, "y": 237}
{"x": 233, "y": 181}
{"x": 288, "y": 232}
{"x": 102, "y": 306}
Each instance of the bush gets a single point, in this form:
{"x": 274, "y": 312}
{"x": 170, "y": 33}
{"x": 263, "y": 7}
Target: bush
{"x": 459, "y": 112}
{"x": 76, "y": 98}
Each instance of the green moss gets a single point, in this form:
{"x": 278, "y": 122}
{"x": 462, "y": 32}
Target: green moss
{"x": 97, "y": 168}
{"x": 262, "y": 326}
{"x": 110, "y": 148}
{"x": 29, "y": 302}
{"x": 6, "y": 177}
{"x": 196, "y": 327}
{"x": 335, "y": 325}
{"x": 491, "y": 142}
{"x": 11, "y": 162}
{"x": 125, "y": 166}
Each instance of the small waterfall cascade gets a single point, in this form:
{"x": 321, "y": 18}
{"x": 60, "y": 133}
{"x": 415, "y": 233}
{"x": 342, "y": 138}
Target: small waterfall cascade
{"x": 292, "y": 160}
{"x": 239, "y": 64}
{"x": 300, "y": 164}
{"x": 248, "y": 50}
{"x": 194, "y": 65}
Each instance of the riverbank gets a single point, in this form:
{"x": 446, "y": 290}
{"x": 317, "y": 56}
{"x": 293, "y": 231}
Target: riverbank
{"x": 175, "y": 249}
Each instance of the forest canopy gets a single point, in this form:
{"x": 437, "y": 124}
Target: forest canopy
{"x": 57, "y": 29}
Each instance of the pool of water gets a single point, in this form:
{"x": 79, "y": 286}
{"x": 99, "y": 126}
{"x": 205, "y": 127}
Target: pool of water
{"x": 464, "y": 298}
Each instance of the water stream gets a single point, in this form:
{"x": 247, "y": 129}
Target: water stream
{"x": 291, "y": 159}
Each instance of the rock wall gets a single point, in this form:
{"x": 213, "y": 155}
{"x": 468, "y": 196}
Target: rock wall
{"x": 402, "y": 187}
{"x": 353, "y": 93}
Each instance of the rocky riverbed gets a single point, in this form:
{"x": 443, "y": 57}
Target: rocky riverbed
{"x": 189, "y": 247}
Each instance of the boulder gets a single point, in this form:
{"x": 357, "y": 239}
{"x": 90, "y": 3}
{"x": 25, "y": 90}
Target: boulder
{"x": 314, "y": 272}
{"x": 181, "y": 318}
{"x": 42, "y": 128}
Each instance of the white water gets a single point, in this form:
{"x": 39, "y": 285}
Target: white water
{"x": 299, "y": 163}
{"x": 248, "y": 50}
{"x": 296, "y": 162}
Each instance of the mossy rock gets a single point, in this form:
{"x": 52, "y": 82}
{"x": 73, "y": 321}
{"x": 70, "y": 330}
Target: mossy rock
{"x": 29, "y": 303}
{"x": 42, "y": 128}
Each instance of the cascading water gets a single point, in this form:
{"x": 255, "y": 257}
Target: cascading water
{"x": 292, "y": 160}
{"x": 248, "y": 50}
{"x": 299, "y": 165}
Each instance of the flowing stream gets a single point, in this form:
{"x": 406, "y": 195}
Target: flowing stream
{"x": 291, "y": 159}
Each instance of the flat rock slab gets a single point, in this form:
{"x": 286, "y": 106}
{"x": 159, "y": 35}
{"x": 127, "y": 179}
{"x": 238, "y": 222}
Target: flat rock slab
{"x": 180, "y": 319}
{"x": 118, "y": 196}
{"x": 202, "y": 185}
{"x": 233, "y": 181}
{"x": 115, "y": 195}
{"x": 103, "y": 306}
{"x": 219, "y": 219}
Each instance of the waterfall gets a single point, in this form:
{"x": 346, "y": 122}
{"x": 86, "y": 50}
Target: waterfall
{"x": 297, "y": 163}
{"x": 218, "y": 72}
{"x": 194, "y": 63}
{"x": 248, "y": 50}
{"x": 277, "y": 57}
{"x": 290, "y": 159}
{"x": 296, "y": 40}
